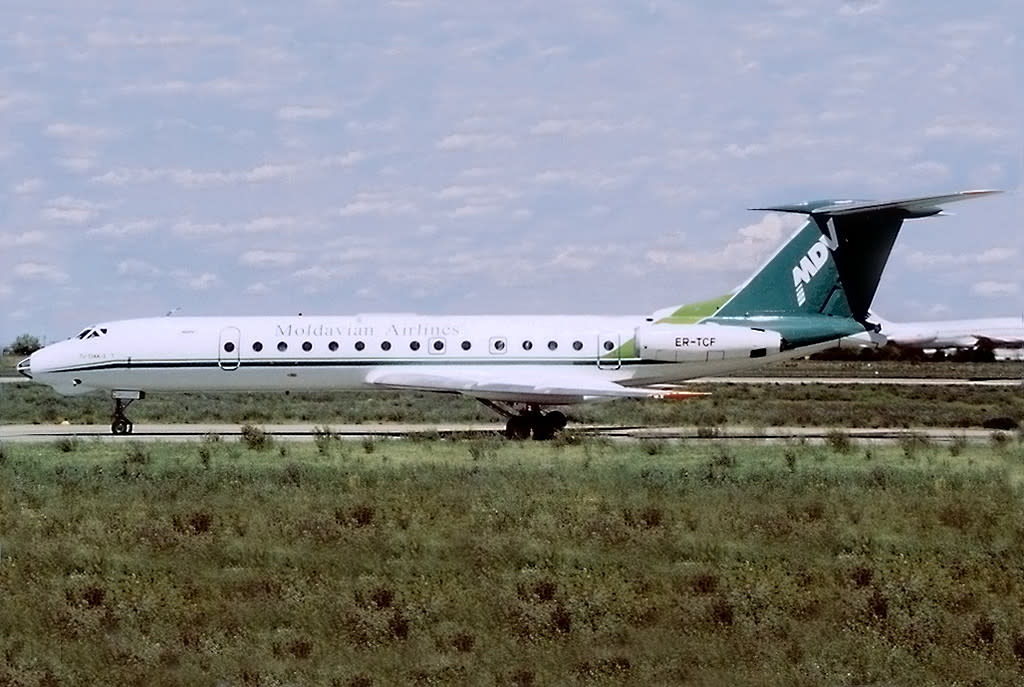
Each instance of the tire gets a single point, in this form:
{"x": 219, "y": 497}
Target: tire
{"x": 543, "y": 429}
{"x": 120, "y": 425}
{"x": 557, "y": 419}
{"x": 517, "y": 428}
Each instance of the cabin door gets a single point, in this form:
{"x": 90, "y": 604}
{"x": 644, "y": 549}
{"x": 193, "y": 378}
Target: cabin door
{"x": 228, "y": 351}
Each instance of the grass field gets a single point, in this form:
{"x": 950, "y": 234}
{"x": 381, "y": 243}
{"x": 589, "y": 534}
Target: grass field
{"x": 489, "y": 562}
{"x": 827, "y": 405}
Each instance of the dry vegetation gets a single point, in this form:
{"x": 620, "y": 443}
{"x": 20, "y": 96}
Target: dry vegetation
{"x": 490, "y": 562}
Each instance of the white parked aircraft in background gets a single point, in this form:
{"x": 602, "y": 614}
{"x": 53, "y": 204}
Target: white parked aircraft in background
{"x": 979, "y": 334}
{"x": 813, "y": 294}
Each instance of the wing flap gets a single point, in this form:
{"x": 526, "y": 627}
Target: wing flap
{"x": 526, "y": 388}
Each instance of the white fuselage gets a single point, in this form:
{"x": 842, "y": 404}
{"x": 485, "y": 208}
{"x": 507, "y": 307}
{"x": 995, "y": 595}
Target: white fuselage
{"x": 336, "y": 353}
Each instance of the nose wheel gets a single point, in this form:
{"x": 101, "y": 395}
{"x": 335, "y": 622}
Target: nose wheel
{"x": 120, "y": 424}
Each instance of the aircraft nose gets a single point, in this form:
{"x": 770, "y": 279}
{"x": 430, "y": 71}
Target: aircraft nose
{"x": 25, "y": 367}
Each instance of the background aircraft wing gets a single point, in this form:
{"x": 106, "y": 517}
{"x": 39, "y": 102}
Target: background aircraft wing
{"x": 542, "y": 387}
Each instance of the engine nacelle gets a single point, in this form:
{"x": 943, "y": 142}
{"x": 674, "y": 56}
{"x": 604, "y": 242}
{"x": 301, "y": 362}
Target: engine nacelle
{"x": 679, "y": 343}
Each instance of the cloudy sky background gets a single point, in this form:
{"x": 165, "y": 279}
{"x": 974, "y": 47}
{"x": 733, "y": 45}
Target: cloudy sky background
{"x": 417, "y": 155}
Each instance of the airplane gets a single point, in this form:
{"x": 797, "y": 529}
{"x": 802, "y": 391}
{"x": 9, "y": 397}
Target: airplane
{"x": 812, "y": 294}
{"x": 985, "y": 334}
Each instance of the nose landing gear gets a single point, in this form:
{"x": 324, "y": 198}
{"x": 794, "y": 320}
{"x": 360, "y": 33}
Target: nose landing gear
{"x": 120, "y": 424}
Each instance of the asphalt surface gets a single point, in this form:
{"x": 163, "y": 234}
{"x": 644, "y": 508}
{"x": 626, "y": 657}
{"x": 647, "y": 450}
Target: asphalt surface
{"x": 305, "y": 432}
{"x": 898, "y": 381}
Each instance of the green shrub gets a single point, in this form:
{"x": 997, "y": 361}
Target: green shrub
{"x": 67, "y": 444}
{"x": 136, "y": 454}
{"x": 838, "y": 441}
{"x": 255, "y": 438}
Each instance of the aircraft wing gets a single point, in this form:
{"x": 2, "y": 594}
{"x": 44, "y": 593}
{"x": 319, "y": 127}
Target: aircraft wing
{"x": 516, "y": 386}
{"x": 988, "y": 340}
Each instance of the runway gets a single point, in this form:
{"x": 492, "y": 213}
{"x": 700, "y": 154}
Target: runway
{"x": 897, "y": 381}
{"x": 306, "y": 432}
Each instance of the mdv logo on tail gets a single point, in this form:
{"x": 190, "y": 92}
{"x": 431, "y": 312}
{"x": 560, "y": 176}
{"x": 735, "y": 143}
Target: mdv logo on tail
{"x": 815, "y": 259}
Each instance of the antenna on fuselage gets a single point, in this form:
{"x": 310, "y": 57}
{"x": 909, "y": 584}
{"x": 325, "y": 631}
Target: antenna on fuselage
{"x": 172, "y": 311}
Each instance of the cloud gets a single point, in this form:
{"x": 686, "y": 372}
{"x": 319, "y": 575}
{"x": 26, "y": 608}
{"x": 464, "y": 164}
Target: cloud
{"x": 572, "y": 127}
{"x": 77, "y": 133}
{"x": 995, "y": 288}
{"x": 375, "y": 204}
{"x": 40, "y": 271}
{"x": 967, "y": 129}
{"x": 79, "y": 163}
{"x": 25, "y": 238}
{"x": 121, "y": 229}
{"x": 989, "y": 256}
{"x": 294, "y": 113}
{"x": 588, "y": 179}
{"x": 27, "y": 186}
{"x": 193, "y": 178}
{"x": 135, "y": 39}
{"x": 855, "y": 8}
{"x": 268, "y": 258}
{"x": 474, "y": 142}
{"x": 257, "y": 225}
{"x": 136, "y": 267}
{"x": 751, "y": 244}
{"x": 222, "y": 87}
{"x": 69, "y": 210}
{"x": 195, "y": 282}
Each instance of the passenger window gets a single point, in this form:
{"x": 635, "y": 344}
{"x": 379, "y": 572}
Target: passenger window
{"x": 282, "y": 346}
{"x": 466, "y": 345}
{"x": 257, "y": 346}
{"x": 438, "y": 345}
{"x": 360, "y": 345}
{"x": 527, "y": 345}
{"x": 228, "y": 346}
{"x": 385, "y": 345}
{"x": 333, "y": 346}
{"x": 414, "y": 345}
{"x": 552, "y": 345}
{"x": 577, "y": 345}
{"x": 306, "y": 346}
{"x": 608, "y": 345}
{"x": 497, "y": 344}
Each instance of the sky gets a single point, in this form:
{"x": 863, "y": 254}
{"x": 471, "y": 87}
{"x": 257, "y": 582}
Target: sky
{"x": 585, "y": 156}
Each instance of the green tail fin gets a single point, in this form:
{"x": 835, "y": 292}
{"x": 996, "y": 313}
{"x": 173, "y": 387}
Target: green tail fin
{"x": 833, "y": 263}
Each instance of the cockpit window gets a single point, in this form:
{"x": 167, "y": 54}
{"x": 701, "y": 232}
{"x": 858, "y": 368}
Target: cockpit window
{"x": 92, "y": 333}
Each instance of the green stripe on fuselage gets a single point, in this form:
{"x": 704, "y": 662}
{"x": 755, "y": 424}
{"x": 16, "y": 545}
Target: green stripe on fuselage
{"x": 695, "y": 312}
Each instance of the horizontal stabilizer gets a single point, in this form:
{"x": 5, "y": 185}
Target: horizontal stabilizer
{"x": 925, "y": 206}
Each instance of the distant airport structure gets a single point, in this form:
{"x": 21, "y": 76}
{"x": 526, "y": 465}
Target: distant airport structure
{"x": 1002, "y": 336}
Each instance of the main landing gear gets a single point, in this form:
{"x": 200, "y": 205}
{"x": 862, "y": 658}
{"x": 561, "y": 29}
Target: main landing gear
{"x": 526, "y": 420}
{"x": 120, "y": 424}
